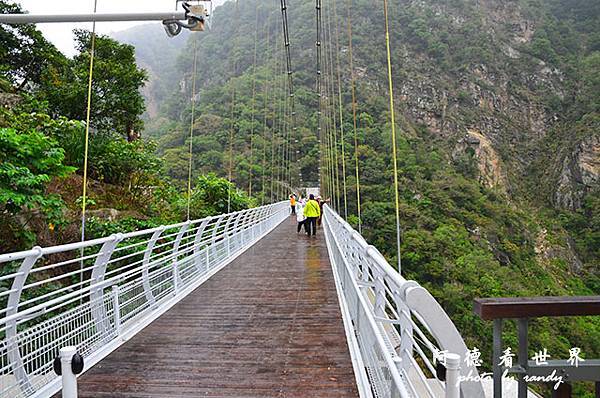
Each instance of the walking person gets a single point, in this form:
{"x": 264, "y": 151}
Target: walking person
{"x": 300, "y": 217}
{"x": 321, "y": 203}
{"x": 312, "y": 211}
{"x": 293, "y": 203}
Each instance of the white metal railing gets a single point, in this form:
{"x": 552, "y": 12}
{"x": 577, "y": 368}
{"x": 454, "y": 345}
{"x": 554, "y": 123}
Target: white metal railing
{"x": 394, "y": 326}
{"x": 94, "y": 294}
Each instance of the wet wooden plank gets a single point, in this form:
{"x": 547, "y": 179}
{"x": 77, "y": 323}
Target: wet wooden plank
{"x": 268, "y": 325}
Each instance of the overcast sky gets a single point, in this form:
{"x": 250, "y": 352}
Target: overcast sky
{"x": 61, "y": 34}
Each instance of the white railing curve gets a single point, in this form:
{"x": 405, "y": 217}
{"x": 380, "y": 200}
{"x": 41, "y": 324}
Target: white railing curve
{"x": 96, "y": 294}
{"x": 395, "y": 327}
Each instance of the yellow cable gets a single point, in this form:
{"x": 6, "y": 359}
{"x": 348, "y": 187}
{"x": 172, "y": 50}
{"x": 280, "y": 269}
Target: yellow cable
{"x": 193, "y": 101}
{"x": 253, "y": 99}
{"x": 275, "y": 146}
{"x": 87, "y": 141}
{"x": 331, "y": 86}
{"x": 231, "y": 130}
{"x": 87, "y": 126}
{"x": 353, "y": 84}
{"x": 393, "y": 120}
{"x": 341, "y": 111}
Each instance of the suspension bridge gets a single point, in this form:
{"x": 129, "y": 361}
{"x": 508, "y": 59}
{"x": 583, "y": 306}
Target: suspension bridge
{"x": 232, "y": 305}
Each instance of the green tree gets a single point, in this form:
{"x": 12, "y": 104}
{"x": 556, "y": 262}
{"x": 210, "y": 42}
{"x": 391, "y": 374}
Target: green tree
{"x": 117, "y": 104}
{"x": 25, "y": 55}
{"x": 213, "y": 195}
{"x": 28, "y": 161}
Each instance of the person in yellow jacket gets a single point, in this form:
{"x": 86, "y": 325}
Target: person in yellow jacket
{"x": 293, "y": 203}
{"x": 312, "y": 211}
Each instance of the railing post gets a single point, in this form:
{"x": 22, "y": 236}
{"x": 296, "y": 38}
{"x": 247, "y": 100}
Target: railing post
{"x": 395, "y": 392}
{"x": 406, "y": 329}
{"x": 197, "y": 240}
{"x": 98, "y": 272}
{"x": 213, "y": 238}
{"x": 116, "y": 309}
{"x": 254, "y": 222}
{"x": 452, "y": 375}
{"x": 496, "y": 352}
{"x": 239, "y": 217}
{"x": 522, "y": 325}
{"x": 176, "y": 245}
{"x": 14, "y": 354}
{"x": 146, "y": 264}
{"x": 69, "y": 380}
{"x": 379, "y": 307}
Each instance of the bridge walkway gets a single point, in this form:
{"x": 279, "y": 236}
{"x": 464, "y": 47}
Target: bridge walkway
{"x": 267, "y": 325}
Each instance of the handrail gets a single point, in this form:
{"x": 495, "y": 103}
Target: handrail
{"x": 522, "y": 309}
{"x": 49, "y": 303}
{"x": 533, "y": 307}
{"x": 397, "y": 327}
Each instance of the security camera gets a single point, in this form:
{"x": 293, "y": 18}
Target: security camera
{"x": 172, "y": 28}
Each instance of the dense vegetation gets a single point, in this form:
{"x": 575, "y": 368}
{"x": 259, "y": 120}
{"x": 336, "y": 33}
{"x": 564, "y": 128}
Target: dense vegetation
{"x": 42, "y": 135}
{"x": 496, "y": 101}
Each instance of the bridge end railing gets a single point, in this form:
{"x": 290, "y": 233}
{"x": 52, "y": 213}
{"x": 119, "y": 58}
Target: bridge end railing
{"x": 399, "y": 336}
{"x": 94, "y": 294}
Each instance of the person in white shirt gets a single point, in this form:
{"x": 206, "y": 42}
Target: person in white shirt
{"x": 300, "y": 214}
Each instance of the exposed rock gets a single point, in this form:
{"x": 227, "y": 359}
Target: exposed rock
{"x": 8, "y": 100}
{"x": 546, "y": 251}
{"x": 523, "y": 31}
{"x": 489, "y": 164}
{"x": 112, "y": 214}
{"x": 495, "y": 246}
{"x": 580, "y": 174}
{"x": 511, "y": 52}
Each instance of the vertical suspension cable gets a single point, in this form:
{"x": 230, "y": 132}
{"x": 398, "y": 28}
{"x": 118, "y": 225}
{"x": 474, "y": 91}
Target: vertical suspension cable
{"x": 353, "y": 88}
{"x": 393, "y": 121}
{"x": 318, "y": 90}
{"x": 341, "y": 111}
{"x": 193, "y": 104}
{"x": 253, "y": 103}
{"x": 87, "y": 140}
{"x": 292, "y": 112}
{"x": 283, "y": 129}
{"x": 278, "y": 69}
{"x": 329, "y": 123}
{"x": 232, "y": 126}
{"x": 265, "y": 126}
{"x": 331, "y": 104}
{"x": 284, "y": 149}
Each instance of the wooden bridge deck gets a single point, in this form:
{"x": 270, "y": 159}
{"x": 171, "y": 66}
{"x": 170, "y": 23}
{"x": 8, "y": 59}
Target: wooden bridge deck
{"x": 267, "y": 325}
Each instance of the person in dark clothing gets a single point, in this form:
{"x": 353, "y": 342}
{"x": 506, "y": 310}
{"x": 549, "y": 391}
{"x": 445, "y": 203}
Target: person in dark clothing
{"x": 321, "y": 203}
{"x": 312, "y": 211}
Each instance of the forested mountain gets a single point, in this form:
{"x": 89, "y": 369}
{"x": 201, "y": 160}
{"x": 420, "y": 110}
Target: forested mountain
{"x": 499, "y": 137}
{"x": 157, "y": 55}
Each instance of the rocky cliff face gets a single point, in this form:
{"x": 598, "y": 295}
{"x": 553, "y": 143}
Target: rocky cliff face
{"x": 492, "y": 173}
{"x": 579, "y": 174}
{"x": 500, "y": 102}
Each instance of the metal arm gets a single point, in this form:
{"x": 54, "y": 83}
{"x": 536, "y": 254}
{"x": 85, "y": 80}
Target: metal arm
{"x": 114, "y": 17}
{"x": 172, "y": 21}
